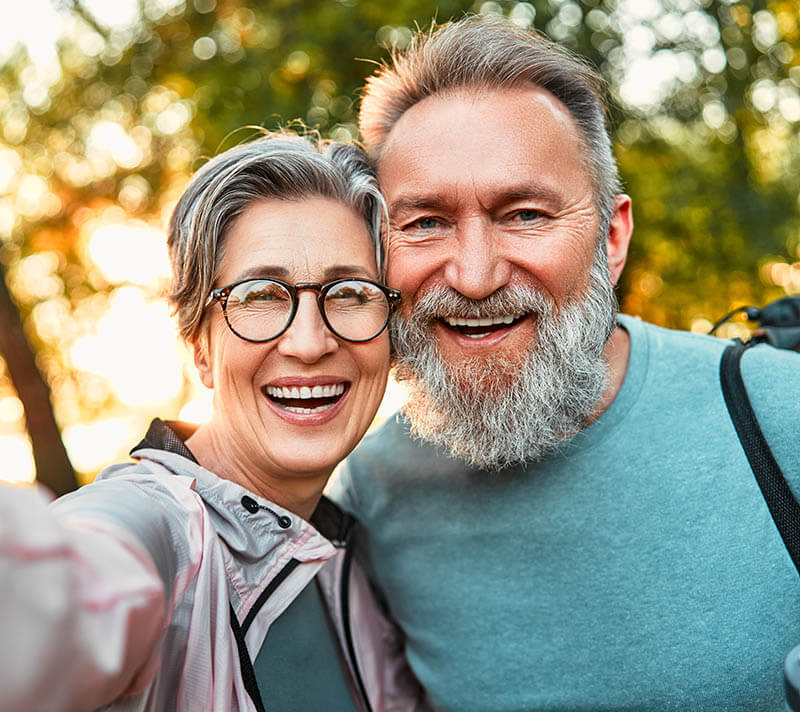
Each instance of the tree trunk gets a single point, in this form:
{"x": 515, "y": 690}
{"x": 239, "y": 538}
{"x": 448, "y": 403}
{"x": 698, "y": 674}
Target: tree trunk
{"x": 53, "y": 467}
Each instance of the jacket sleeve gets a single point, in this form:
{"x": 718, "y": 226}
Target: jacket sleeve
{"x": 82, "y": 608}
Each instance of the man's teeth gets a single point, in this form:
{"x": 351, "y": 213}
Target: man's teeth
{"x": 306, "y": 392}
{"x": 485, "y": 321}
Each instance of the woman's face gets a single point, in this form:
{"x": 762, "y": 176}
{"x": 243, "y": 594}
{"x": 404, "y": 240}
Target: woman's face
{"x": 264, "y": 430}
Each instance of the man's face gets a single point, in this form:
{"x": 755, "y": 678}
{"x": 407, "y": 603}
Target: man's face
{"x": 488, "y": 189}
{"x": 508, "y": 299}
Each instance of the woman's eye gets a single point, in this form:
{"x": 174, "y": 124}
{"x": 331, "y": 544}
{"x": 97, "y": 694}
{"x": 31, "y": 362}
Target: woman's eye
{"x": 347, "y": 293}
{"x": 260, "y": 296}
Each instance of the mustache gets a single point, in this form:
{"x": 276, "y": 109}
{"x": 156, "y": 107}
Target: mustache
{"x": 441, "y": 301}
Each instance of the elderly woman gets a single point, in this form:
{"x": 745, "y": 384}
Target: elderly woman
{"x": 211, "y": 573}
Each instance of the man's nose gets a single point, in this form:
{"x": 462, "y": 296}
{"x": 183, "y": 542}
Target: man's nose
{"x": 307, "y": 339}
{"x": 478, "y": 266}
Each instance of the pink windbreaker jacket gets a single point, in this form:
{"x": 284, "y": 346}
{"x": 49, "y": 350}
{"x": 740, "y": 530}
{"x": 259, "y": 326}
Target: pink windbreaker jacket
{"x": 154, "y": 588}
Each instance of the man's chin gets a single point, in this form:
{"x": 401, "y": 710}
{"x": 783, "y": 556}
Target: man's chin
{"x": 486, "y": 375}
{"x": 481, "y": 375}
{"x": 493, "y": 361}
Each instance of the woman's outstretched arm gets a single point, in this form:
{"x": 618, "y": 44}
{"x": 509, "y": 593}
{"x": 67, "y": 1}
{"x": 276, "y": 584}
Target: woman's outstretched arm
{"x": 82, "y": 608}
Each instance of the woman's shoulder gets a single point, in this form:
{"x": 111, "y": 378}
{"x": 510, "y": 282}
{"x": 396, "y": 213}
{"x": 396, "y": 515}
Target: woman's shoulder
{"x": 143, "y": 486}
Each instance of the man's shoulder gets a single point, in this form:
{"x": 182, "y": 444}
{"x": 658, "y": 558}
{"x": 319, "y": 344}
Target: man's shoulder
{"x": 659, "y": 339}
{"x": 686, "y": 369}
{"x": 757, "y": 362}
{"x": 664, "y": 337}
{"x": 695, "y": 357}
{"x": 762, "y": 358}
{"x": 772, "y": 380}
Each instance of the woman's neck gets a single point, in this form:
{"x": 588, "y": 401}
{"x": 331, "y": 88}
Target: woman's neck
{"x": 218, "y": 453}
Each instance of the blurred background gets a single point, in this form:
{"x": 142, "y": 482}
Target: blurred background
{"x": 107, "y": 106}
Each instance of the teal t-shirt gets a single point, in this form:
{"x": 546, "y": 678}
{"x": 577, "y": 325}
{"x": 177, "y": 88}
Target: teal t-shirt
{"x": 299, "y": 667}
{"x": 639, "y": 569}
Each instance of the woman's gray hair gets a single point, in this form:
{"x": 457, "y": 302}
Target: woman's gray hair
{"x": 280, "y": 166}
{"x": 490, "y": 52}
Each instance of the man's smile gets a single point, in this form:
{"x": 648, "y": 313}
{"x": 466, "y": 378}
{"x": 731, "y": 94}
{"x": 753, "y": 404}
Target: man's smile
{"x": 478, "y": 327}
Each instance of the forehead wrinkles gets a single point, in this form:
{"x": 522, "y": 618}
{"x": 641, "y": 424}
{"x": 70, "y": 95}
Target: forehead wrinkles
{"x": 461, "y": 128}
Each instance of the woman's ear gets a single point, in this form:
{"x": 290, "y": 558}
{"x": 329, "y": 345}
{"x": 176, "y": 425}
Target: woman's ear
{"x": 619, "y": 236}
{"x": 202, "y": 358}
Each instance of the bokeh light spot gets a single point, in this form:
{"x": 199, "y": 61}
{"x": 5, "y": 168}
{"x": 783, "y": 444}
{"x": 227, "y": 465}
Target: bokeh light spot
{"x": 204, "y": 48}
{"x": 17, "y": 461}
{"x": 130, "y": 253}
{"x": 91, "y": 446}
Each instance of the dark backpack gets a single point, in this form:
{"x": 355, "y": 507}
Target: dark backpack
{"x": 779, "y": 325}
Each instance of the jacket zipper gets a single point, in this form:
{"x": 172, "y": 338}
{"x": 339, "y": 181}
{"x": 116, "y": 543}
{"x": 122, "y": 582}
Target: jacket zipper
{"x": 240, "y": 631}
{"x": 348, "y": 633}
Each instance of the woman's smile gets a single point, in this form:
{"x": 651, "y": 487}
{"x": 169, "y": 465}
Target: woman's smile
{"x": 307, "y": 401}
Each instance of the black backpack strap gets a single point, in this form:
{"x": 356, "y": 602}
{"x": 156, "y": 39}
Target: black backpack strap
{"x": 782, "y": 505}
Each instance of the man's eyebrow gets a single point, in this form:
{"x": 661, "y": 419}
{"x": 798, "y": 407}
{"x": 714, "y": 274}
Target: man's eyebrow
{"x": 415, "y": 202}
{"x": 496, "y": 197}
{"x": 529, "y": 191}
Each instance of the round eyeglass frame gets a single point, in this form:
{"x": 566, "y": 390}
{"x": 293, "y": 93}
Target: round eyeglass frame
{"x": 221, "y": 294}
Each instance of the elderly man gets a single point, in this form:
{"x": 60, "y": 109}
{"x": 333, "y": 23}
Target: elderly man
{"x": 563, "y": 518}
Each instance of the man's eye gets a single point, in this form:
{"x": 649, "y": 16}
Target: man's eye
{"x": 527, "y": 215}
{"x": 425, "y": 223}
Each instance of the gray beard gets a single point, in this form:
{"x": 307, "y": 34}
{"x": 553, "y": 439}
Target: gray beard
{"x": 493, "y": 412}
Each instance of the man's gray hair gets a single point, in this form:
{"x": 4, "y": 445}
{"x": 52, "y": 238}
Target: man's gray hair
{"x": 278, "y": 166}
{"x": 490, "y": 52}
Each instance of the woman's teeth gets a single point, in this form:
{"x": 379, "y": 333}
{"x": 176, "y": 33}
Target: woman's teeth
{"x": 305, "y": 399}
{"x": 298, "y": 409}
{"x": 305, "y": 391}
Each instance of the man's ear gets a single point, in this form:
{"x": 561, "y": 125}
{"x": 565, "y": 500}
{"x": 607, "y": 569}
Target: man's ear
{"x": 619, "y": 236}
{"x": 202, "y": 359}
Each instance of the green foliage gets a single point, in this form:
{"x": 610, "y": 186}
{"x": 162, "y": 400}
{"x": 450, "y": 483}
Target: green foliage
{"x": 706, "y": 149}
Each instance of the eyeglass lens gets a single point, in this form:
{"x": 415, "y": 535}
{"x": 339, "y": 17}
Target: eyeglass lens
{"x": 260, "y": 309}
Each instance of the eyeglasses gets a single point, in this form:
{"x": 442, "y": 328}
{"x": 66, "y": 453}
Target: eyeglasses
{"x": 261, "y": 309}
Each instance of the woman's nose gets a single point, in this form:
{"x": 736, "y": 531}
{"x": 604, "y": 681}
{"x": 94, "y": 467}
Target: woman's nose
{"x": 307, "y": 338}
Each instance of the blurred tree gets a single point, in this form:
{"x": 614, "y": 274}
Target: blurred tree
{"x": 707, "y": 109}
{"x": 53, "y": 466}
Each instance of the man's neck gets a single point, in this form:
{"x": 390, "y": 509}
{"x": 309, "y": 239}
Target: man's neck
{"x": 616, "y": 353}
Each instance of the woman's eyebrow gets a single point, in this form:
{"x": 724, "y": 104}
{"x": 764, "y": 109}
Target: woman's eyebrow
{"x": 282, "y": 272}
{"x": 346, "y": 271}
{"x": 264, "y": 271}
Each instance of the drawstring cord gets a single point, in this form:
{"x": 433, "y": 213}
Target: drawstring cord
{"x": 252, "y": 506}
